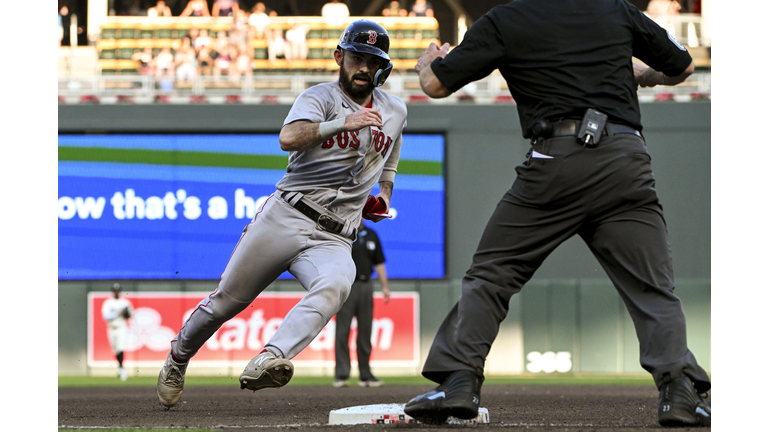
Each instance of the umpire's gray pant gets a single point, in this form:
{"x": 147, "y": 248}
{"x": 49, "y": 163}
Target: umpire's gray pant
{"x": 607, "y": 196}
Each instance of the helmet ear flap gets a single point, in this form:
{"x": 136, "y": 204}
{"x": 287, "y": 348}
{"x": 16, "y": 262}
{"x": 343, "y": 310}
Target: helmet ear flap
{"x": 382, "y": 75}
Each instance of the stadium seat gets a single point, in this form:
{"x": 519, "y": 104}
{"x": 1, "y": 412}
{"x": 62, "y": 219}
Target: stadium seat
{"x": 234, "y": 99}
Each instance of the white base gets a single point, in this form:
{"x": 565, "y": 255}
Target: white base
{"x": 388, "y": 414}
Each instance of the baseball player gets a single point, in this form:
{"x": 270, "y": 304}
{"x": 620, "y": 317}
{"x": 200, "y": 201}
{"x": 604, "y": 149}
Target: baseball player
{"x": 343, "y": 137}
{"x": 116, "y": 312}
{"x": 587, "y": 173}
{"x": 367, "y": 255}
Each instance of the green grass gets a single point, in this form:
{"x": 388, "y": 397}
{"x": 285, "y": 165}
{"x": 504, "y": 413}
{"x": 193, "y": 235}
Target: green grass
{"x": 82, "y": 381}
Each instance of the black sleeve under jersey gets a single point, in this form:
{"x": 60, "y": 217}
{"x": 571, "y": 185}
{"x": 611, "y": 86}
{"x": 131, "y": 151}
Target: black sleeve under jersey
{"x": 656, "y": 47}
{"x": 475, "y": 58}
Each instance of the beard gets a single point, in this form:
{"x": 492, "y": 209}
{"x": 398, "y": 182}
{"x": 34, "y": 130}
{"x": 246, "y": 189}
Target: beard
{"x": 354, "y": 90}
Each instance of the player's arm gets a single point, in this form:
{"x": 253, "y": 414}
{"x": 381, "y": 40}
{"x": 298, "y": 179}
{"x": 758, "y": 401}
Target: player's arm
{"x": 381, "y": 273}
{"x": 303, "y": 134}
{"x": 385, "y": 191}
{"x": 430, "y": 84}
{"x": 648, "y": 77}
{"x": 386, "y": 185}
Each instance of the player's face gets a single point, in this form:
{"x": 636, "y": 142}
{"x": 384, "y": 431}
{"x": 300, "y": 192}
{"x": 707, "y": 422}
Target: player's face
{"x": 357, "y": 72}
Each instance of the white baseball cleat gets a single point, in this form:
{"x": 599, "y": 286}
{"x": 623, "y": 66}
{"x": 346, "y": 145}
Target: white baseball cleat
{"x": 373, "y": 382}
{"x": 170, "y": 382}
{"x": 341, "y": 383}
{"x": 266, "y": 370}
{"x": 123, "y": 374}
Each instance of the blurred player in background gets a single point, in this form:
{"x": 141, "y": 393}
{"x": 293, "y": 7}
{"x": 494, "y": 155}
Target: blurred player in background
{"x": 343, "y": 138}
{"x": 116, "y": 312}
{"x": 367, "y": 255}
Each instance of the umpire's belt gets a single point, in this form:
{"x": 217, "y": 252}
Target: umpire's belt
{"x": 567, "y": 127}
{"x": 324, "y": 219}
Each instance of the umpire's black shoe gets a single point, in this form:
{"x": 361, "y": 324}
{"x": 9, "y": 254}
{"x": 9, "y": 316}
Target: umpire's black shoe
{"x": 458, "y": 396}
{"x": 680, "y": 405}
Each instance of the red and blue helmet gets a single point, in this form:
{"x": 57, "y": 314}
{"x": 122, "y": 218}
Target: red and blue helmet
{"x": 364, "y": 36}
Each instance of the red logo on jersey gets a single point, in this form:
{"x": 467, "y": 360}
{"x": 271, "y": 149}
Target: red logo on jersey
{"x": 380, "y": 141}
{"x": 372, "y": 36}
{"x": 343, "y": 139}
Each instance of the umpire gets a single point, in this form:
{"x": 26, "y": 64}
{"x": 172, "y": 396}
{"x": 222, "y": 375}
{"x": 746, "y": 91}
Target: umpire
{"x": 367, "y": 255}
{"x": 569, "y": 66}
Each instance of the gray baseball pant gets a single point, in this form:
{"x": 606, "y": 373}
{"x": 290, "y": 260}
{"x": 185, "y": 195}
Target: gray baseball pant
{"x": 279, "y": 238}
{"x": 607, "y": 196}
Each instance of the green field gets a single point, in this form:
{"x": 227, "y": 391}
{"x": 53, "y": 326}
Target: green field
{"x": 82, "y": 381}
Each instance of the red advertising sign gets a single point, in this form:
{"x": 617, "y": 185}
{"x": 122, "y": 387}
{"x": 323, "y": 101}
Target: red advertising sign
{"x": 157, "y": 317}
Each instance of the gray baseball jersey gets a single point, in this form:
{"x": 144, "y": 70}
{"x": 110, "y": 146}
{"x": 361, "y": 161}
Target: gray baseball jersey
{"x": 339, "y": 173}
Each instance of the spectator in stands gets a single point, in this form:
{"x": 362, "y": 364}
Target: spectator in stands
{"x": 185, "y": 60}
{"x": 193, "y": 34}
{"x": 334, "y": 9}
{"x": 163, "y": 63}
{"x": 197, "y": 8}
{"x": 421, "y": 8}
{"x": 63, "y": 16}
{"x": 662, "y": 12}
{"x": 241, "y": 65}
{"x": 258, "y": 21}
{"x": 238, "y": 35}
{"x": 160, "y": 9}
{"x": 204, "y": 61}
{"x": 275, "y": 44}
{"x": 145, "y": 58}
{"x": 222, "y": 42}
{"x": 662, "y": 7}
{"x": 296, "y": 47}
{"x": 394, "y": 10}
{"x": 222, "y": 62}
{"x": 136, "y": 8}
{"x": 225, "y": 8}
{"x": 203, "y": 40}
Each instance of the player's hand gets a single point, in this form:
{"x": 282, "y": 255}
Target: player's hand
{"x": 363, "y": 118}
{"x": 376, "y": 205}
{"x": 432, "y": 52}
{"x": 641, "y": 73}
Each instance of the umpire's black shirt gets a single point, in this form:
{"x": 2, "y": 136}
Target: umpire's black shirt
{"x": 366, "y": 253}
{"x": 560, "y": 57}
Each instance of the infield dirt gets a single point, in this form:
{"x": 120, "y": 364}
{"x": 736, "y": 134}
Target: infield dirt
{"x": 530, "y": 407}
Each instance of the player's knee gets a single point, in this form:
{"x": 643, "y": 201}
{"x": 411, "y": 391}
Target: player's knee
{"x": 222, "y": 307}
{"x": 333, "y": 289}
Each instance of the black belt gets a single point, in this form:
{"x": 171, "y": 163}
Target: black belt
{"x": 325, "y": 221}
{"x": 569, "y": 127}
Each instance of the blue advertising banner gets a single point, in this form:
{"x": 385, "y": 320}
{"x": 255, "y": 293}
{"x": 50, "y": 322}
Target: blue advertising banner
{"x": 174, "y": 206}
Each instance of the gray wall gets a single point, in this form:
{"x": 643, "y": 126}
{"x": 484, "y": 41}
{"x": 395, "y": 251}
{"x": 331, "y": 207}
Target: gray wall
{"x": 483, "y": 145}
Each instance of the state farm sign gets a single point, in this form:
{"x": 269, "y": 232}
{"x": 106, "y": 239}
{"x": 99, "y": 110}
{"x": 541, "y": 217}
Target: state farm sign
{"x": 157, "y": 317}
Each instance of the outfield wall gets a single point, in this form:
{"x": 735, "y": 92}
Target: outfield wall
{"x": 568, "y": 307}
